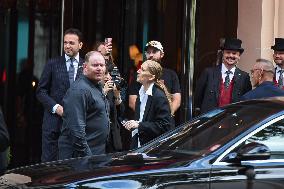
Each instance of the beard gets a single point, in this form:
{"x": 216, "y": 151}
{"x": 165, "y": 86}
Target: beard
{"x": 155, "y": 59}
{"x": 279, "y": 62}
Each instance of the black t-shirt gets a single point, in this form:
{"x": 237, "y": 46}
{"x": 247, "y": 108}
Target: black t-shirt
{"x": 170, "y": 79}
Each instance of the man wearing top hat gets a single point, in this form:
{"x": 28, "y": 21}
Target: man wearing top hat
{"x": 225, "y": 83}
{"x": 278, "y": 57}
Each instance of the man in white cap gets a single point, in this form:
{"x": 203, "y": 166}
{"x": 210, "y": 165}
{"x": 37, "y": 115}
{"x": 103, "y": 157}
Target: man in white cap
{"x": 154, "y": 51}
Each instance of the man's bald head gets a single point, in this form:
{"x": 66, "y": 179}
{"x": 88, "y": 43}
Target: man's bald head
{"x": 94, "y": 66}
{"x": 93, "y": 54}
{"x": 263, "y": 70}
{"x": 266, "y": 65}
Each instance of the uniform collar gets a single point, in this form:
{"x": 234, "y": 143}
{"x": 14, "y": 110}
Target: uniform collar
{"x": 224, "y": 69}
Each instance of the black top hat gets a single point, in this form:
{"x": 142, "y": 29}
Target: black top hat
{"x": 233, "y": 44}
{"x": 279, "y": 44}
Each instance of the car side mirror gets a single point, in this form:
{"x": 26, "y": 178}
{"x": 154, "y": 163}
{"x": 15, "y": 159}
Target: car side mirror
{"x": 251, "y": 151}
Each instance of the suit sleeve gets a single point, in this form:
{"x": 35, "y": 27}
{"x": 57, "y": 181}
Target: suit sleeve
{"x": 44, "y": 86}
{"x": 4, "y": 135}
{"x": 74, "y": 117}
{"x": 244, "y": 97}
{"x": 161, "y": 123}
{"x": 248, "y": 86}
{"x": 200, "y": 89}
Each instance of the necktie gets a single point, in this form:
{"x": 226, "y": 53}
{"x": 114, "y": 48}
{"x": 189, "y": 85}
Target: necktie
{"x": 71, "y": 71}
{"x": 227, "y": 79}
{"x": 280, "y": 79}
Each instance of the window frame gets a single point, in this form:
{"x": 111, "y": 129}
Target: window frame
{"x": 270, "y": 120}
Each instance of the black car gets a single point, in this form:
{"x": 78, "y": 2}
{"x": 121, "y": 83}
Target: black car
{"x": 237, "y": 146}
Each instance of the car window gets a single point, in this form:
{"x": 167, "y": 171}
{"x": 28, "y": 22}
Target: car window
{"x": 210, "y": 131}
{"x": 273, "y": 137}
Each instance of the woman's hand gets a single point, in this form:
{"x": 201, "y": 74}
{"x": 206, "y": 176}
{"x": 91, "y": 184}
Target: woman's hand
{"x": 108, "y": 48}
{"x": 131, "y": 124}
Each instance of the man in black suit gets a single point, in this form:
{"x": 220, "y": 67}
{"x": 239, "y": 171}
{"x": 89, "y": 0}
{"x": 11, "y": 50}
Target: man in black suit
{"x": 85, "y": 126}
{"x": 278, "y": 57}
{"x": 262, "y": 75}
{"x": 225, "y": 83}
{"x": 56, "y": 78}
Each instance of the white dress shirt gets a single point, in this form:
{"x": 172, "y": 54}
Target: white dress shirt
{"x": 143, "y": 97}
{"x": 224, "y": 74}
{"x": 76, "y": 65}
{"x": 277, "y": 73}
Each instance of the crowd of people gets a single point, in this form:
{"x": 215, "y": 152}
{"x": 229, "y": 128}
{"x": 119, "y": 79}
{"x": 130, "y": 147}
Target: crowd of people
{"x": 84, "y": 110}
{"x": 226, "y": 83}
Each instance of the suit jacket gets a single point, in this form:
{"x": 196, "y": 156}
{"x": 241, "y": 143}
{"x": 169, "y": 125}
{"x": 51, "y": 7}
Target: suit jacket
{"x": 52, "y": 87}
{"x": 208, "y": 87}
{"x": 264, "y": 90}
{"x": 157, "y": 116}
{"x": 275, "y": 80}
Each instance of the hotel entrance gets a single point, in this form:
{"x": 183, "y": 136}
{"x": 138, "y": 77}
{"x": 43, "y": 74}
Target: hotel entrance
{"x": 31, "y": 32}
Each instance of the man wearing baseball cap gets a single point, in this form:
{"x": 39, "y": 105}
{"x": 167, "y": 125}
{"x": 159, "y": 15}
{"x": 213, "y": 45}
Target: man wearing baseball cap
{"x": 278, "y": 57}
{"x": 155, "y": 51}
{"x": 222, "y": 84}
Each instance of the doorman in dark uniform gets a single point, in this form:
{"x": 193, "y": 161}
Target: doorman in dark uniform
{"x": 278, "y": 57}
{"x": 225, "y": 83}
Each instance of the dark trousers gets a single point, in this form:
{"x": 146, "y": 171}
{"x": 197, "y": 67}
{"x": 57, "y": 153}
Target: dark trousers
{"x": 49, "y": 146}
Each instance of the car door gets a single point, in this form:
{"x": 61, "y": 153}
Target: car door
{"x": 170, "y": 178}
{"x": 257, "y": 173}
